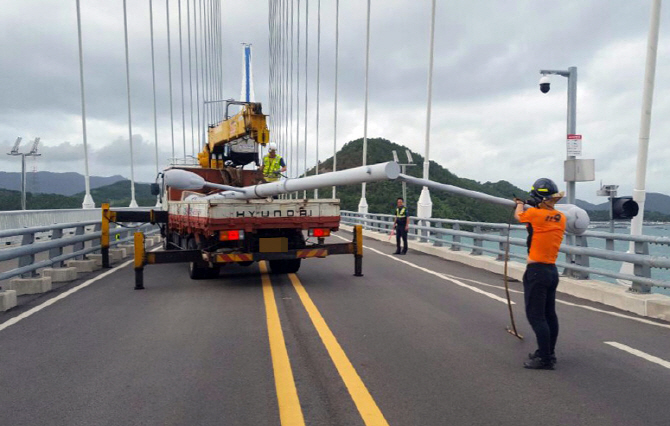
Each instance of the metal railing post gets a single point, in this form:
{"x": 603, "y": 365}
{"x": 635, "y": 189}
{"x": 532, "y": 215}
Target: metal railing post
{"x": 79, "y": 230}
{"x": 502, "y": 246}
{"x": 477, "y": 242}
{"x": 456, "y": 239}
{"x": 581, "y": 259}
{"x": 423, "y": 232}
{"x": 641, "y": 270}
{"x": 96, "y": 228}
{"x": 439, "y": 236}
{"x": 27, "y": 259}
{"x": 56, "y": 234}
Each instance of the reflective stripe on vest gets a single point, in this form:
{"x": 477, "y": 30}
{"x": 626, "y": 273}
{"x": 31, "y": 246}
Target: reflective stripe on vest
{"x": 400, "y": 213}
{"x": 270, "y": 166}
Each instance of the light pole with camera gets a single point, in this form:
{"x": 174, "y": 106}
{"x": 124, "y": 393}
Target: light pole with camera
{"x": 571, "y": 75}
{"x": 574, "y": 170}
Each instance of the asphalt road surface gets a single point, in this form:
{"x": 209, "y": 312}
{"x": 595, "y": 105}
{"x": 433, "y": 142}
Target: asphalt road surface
{"x": 416, "y": 341}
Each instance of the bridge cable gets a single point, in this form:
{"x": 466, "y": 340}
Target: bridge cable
{"x": 306, "y": 84}
{"x": 318, "y": 82}
{"x": 133, "y": 203}
{"x": 365, "y": 114}
{"x": 87, "y": 198}
{"x": 190, "y": 72}
{"x": 167, "y": 13}
{"x": 205, "y": 65}
{"x": 153, "y": 77}
{"x": 271, "y": 64}
{"x": 219, "y": 58}
{"x": 337, "y": 59}
{"x": 291, "y": 92}
{"x": 197, "y": 78}
{"x": 287, "y": 101}
{"x": 297, "y": 94}
{"x": 181, "y": 77}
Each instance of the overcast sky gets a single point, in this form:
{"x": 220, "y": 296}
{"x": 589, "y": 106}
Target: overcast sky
{"x": 490, "y": 122}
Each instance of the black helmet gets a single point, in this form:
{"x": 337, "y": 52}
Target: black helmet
{"x": 543, "y": 189}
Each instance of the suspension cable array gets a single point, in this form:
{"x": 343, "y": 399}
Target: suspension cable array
{"x": 202, "y": 105}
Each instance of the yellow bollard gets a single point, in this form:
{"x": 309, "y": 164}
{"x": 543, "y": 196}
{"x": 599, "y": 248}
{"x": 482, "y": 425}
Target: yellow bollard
{"x": 140, "y": 260}
{"x": 104, "y": 236}
{"x": 358, "y": 250}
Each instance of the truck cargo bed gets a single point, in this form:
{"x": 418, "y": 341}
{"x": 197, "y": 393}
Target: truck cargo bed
{"x": 214, "y": 215}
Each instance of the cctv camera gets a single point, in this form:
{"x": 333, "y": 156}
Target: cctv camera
{"x": 544, "y": 84}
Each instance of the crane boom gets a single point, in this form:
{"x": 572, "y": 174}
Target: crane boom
{"x": 235, "y": 138}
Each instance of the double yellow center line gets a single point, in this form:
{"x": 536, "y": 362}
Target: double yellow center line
{"x": 290, "y": 412}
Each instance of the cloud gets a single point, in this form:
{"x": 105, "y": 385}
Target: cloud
{"x": 489, "y": 121}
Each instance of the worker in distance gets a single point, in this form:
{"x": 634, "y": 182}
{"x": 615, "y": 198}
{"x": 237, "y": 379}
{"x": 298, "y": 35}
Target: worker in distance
{"x": 401, "y": 225}
{"x": 546, "y": 227}
{"x": 273, "y": 164}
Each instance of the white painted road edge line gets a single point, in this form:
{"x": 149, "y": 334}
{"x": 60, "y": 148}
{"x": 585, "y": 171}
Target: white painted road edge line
{"x": 644, "y": 355}
{"x": 439, "y": 275}
{"x": 51, "y": 301}
{"x": 589, "y": 308}
{"x": 615, "y": 314}
{"x": 575, "y": 305}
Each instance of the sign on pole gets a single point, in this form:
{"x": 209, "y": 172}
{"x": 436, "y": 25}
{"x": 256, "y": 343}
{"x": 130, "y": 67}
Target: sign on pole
{"x": 574, "y": 145}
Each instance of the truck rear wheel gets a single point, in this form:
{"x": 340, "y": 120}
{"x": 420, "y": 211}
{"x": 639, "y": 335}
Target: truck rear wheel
{"x": 200, "y": 270}
{"x": 289, "y": 266}
{"x": 170, "y": 242}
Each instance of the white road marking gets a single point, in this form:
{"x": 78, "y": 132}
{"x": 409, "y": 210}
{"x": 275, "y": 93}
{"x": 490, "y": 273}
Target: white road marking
{"x": 61, "y": 296}
{"x": 51, "y": 301}
{"x": 588, "y": 308}
{"x": 439, "y": 275}
{"x": 644, "y": 355}
{"x": 615, "y": 314}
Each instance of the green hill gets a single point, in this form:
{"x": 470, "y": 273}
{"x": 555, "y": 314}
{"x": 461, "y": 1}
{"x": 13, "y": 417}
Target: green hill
{"x": 381, "y": 196}
{"x": 116, "y": 194}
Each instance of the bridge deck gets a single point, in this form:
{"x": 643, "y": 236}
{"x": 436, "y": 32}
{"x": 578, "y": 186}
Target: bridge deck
{"x": 426, "y": 338}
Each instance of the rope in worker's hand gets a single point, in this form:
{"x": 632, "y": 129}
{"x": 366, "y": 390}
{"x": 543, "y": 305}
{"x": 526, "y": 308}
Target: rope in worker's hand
{"x": 512, "y": 330}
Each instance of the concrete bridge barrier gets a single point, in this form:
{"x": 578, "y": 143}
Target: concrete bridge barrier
{"x": 29, "y": 285}
{"x": 7, "y": 299}
{"x": 60, "y": 275}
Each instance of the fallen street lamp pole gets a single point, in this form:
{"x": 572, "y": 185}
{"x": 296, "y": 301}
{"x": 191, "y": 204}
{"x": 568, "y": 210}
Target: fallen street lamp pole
{"x": 577, "y": 218}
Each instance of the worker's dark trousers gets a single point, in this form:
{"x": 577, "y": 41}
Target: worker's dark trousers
{"x": 401, "y": 232}
{"x": 539, "y": 286}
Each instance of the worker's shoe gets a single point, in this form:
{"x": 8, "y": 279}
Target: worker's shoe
{"x": 404, "y": 251}
{"x": 536, "y": 354}
{"x": 396, "y": 252}
{"x": 538, "y": 364}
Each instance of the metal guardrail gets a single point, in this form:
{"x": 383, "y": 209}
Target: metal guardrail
{"x": 16, "y": 219}
{"x": 84, "y": 232}
{"x": 441, "y": 232}
{"x": 434, "y": 230}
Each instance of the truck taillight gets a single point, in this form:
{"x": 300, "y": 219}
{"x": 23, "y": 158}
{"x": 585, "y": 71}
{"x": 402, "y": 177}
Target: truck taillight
{"x": 319, "y": 232}
{"x": 231, "y": 235}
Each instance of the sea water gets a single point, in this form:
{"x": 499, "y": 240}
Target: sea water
{"x": 655, "y": 230}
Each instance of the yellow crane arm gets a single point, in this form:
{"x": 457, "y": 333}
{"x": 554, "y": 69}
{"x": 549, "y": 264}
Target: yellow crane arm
{"x": 249, "y": 123}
